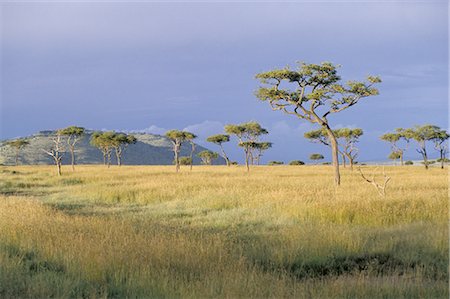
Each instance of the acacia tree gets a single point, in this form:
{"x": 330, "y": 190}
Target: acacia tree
{"x": 104, "y": 142}
{"x": 190, "y": 138}
{"x": 207, "y": 156}
{"x": 316, "y": 94}
{"x": 177, "y": 138}
{"x": 56, "y": 151}
{"x": 395, "y": 155}
{"x": 395, "y": 138}
{"x": 422, "y": 134}
{"x": 248, "y": 135}
{"x": 347, "y": 137}
{"x": 120, "y": 142}
{"x": 74, "y": 134}
{"x": 219, "y": 139}
{"x": 260, "y": 147}
{"x": 316, "y": 157}
{"x": 18, "y": 144}
{"x": 441, "y": 145}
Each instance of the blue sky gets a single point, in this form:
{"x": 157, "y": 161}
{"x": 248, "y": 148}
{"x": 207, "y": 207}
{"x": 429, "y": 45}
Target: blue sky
{"x": 157, "y": 66}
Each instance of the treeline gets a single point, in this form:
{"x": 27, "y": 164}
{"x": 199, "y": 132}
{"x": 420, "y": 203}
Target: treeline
{"x": 311, "y": 92}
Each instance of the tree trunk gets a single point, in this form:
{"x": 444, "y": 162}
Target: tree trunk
{"x": 119, "y": 156}
{"x": 72, "y": 152}
{"x": 343, "y": 160}
{"x": 246, "y": 160}
{"x": 401, "y": 158}
{"x": 192, "y": 155}
{"x": 442, "y": 158}
{"x": 177, "y": 162}
{"x": 423, "y": 151}
{"x": 334, "y": 155}
{"x": 109, "y": 158}
{"x": 225, "y": 155}
{"x": 58, "y": 165}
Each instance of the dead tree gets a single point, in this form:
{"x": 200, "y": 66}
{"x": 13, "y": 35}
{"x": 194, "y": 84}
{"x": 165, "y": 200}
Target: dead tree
{"x": 56, "y": 152}
{"x": 381, "y": 188}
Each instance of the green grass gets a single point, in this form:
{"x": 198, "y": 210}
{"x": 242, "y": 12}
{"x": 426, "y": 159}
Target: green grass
{"x": 220, "y": 232}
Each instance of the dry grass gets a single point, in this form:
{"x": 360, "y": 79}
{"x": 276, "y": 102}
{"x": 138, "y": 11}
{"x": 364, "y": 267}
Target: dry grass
{"x": 220, "y": 232}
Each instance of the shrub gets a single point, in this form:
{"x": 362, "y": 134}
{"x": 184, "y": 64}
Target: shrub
{"x": 275, "y": 163}
{"x": 409, "y": 163}
{"x": 296, "y": 162}
{"x": 185, "y": 160}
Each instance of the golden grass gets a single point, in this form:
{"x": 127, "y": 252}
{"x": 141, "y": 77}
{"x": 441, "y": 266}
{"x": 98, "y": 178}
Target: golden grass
{"x": 220, "y": 232}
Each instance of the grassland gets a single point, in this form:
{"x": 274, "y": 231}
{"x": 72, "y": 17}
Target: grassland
{"x": 220, "y": 232}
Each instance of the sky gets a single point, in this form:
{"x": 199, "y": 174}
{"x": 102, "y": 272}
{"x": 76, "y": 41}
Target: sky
{"x": 154, "y": 66}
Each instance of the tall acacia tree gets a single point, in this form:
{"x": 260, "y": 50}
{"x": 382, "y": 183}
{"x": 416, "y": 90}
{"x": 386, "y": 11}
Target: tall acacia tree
{"x": 422, "y": 134}
{"x": 74, "y": 134}
{"x": 316, "y": 94}
{"x": 56, "y": 151}
{"x": 120, "y": 142}
{"x": 441, "y": 145}
{"x": 395, "y": 138}
{"x": 17, "y": 144}
{"x": 188, "y": 136}
{"x": 177, "y": 138}
{"x": 248, "y": 135}
{"x": 219, "y": 139}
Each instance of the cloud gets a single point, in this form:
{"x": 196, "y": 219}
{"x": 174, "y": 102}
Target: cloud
{"x": 150, "y": 130}
{"x": 205, "y": 128}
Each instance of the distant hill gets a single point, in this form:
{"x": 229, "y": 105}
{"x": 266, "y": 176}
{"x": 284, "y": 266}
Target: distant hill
{"x": 149, "y": 150}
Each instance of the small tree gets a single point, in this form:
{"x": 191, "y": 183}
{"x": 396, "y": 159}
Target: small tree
{"x": 316, "y": 157}
{"x": 259, "y": 148}
{"x": 219, "y": 139}
{"x": 422, "y": 134}
{"x": 274, "y": 163}
{"x": 56, "y": 151}
{"x": 207, "y": 156}
{"x": 296, "y": 162}
{"x": 185, "y": 161}
{"x": 74, "y": 134}
{"x": 190, "y": 138}
{"x": 347, "y": 137}
{"x": 105, "y": 143}
{"x": 395, "y": 155}
{"x": 395, "y": 139}
{"x": 177, "y": 138}
{"x": 315, "y": 95}
{"x": 120, "y": 142}
{"x": 248, "y": 135}
{"x": 441, "y": 145}
{"x": 18, "y": 144}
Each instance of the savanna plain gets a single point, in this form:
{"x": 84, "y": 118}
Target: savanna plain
{"x": 219, "y": 232}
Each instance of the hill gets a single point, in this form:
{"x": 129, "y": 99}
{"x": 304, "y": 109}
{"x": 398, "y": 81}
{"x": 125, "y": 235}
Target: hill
{"x": 149, "y": 150}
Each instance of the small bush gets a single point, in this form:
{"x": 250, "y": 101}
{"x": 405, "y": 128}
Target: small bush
{"x": 296, "y": 162}
{"x": 326, "y": 163}
{"x": 185, "y": 160}
{"x": 275, "y": 163}
{"x": 409, "y": 163}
